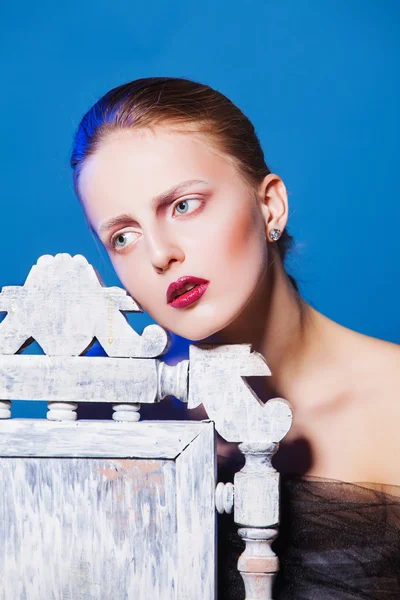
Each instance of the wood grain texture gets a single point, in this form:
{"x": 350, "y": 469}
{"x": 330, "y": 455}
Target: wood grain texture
{"x": 97, "y": 438}
{"x": 256, "y": 509}
{"x": 78, "y": 379}
{"x": 120, "y": 509}
{"x": 63, "y": 306}
{"x": 217, "y": 378}
{"x": 196, "y": 477}
{"x": 257, "y": 487}
{"x": 91, "y": 379}
{"x": 102, "y": 528}
{"x": 258, "y": 564}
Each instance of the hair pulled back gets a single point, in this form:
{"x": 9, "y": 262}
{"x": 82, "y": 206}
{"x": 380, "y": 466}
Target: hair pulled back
{"x": 152, "y": 101}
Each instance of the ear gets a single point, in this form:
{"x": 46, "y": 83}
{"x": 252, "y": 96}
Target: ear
{"x": 274, "y": 204}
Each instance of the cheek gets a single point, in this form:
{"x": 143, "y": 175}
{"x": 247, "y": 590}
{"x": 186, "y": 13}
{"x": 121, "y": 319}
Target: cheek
{"x": 144, "y": 288}
{"x": 243, "y": 246}
{"x": 133, "y": 278}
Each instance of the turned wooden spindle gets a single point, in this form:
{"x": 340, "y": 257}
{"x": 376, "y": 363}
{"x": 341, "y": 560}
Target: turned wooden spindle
{"x": 173, "y": 380}
{"x": 64, "y": 306}
{"x": 224, "y": 493}
{"x": 62, "y": 411}
{"x": 257, "y": 510}
{"x": 217, "y": 379}
{"x": 5, "y": 412}
{"x": 126, "y": 412}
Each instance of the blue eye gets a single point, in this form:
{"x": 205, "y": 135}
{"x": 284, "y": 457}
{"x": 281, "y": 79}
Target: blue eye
{"x": 122, "y": 240}
{"x": 183, "y": 206}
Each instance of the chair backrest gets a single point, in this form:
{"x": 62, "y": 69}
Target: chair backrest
{"x": 124, "y": 508}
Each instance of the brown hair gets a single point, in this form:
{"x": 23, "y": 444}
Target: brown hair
{"x": 153, "y": 101}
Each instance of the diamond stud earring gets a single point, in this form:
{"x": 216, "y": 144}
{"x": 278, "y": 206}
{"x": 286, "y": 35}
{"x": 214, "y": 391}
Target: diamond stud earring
{"x": 275, "y": 234}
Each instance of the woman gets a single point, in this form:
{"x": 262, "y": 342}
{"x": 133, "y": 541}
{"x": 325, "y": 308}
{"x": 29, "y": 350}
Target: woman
{"x": 173, "y": 181}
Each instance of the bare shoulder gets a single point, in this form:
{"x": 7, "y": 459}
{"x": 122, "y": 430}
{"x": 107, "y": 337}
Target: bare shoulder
{"x": 377, "y": 394}
{"x": 365, "y": 362}
{"x": 347, "y": 411}
{"x": 356, "y": 435}
{"x": 378, "y": 361}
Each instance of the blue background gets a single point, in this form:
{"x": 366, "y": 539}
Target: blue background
{"x": 319, "y": 80}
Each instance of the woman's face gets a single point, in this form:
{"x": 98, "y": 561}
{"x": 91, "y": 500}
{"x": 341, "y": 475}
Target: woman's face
{"x": 212, "y": 228}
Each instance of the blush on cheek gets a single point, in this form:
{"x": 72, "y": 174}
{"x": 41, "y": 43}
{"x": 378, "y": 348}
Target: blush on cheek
{"x": 244, "y": 237}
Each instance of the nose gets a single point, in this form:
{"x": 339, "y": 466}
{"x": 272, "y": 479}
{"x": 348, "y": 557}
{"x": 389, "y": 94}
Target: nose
{"x": 163, "y": 251}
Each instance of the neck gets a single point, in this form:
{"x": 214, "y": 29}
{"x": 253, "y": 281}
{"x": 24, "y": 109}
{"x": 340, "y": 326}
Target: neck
{"x": 280, "y": 325}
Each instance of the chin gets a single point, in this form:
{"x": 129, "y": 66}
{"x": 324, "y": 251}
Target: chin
{"x": 201, "y": 323}
{"x": 194, "y": 334}
{"x": 198, "y": 330}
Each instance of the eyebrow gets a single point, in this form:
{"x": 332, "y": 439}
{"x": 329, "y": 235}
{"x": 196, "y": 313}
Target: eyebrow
{"x": 157, "y": 202}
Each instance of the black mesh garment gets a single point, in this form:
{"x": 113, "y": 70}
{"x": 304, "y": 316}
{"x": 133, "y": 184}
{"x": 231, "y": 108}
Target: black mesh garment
{"x": 337, "y": 541}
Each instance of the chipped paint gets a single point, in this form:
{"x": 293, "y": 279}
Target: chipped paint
{"x": 77, "y": 528}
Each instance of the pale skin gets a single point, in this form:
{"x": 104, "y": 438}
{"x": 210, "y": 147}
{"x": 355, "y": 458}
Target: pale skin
{"x": 344, "y": 387}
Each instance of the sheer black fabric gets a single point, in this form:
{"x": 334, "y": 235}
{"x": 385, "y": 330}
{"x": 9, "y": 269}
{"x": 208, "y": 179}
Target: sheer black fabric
{"x": 337, "y": 541}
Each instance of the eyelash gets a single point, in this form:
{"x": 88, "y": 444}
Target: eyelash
{"x": 188, "y": 200}
{"x": 119, "y": 233}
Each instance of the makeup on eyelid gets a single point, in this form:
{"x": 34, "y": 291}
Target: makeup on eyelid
{"x": 187, "y": 200}
{"x": 216, "y": 231}
{"x": 115, "y": 238}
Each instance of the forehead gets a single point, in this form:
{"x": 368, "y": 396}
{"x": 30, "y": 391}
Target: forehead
{"x": 143, "y": 163}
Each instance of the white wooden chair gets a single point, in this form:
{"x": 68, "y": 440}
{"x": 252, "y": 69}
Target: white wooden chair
{"x": 121, "y": 509}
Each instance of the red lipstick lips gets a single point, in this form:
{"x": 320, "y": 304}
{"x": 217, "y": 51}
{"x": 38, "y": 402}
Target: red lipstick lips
{"x": 185, "y": 291}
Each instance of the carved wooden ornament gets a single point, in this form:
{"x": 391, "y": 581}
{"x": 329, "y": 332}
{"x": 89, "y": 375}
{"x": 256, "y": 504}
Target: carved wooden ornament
{"x": 63, "y": 306}
{"x": 218, "y": 379}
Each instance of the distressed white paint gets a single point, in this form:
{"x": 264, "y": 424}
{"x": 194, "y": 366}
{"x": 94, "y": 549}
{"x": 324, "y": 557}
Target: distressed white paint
{"x": 78, "y": 379}
{"x": 126, "y": 412}
{"x": 196, "y": 475}
{"x": 5, "y": 412}
{"x": 102, "y": 528}
{"x": 257, "y": 487}
{"x": 173, "y": 380}
{"x": 90, "y": 379}
{"x": 256, "y": 509}
{"x": 258, "y": 564}
{"x": 217, "y": 379}
{"x": 224, "y": 494}
{"x": 63, "y": 306}
{"x": 97, "y": 438}
{"x": 62, "y": 411}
